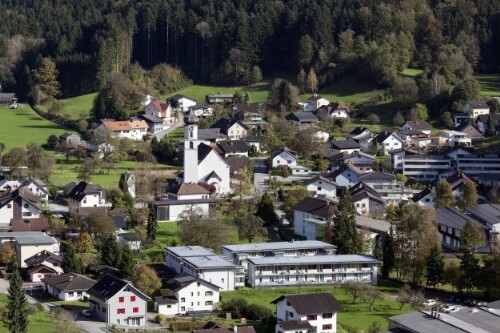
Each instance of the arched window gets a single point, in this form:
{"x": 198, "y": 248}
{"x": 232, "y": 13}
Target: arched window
{"x": 191, "y": 145}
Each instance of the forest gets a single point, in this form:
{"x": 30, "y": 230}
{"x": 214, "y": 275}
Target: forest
{"x": 238, "y": 41}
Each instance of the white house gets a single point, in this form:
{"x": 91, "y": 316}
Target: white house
{"x": 333, "y": 111}
{"x": 233, "y": 128}
{"x": 346, "y": 175}
{"x": 126, "y": 129}
{"x": 368, "y": 202}
{"x": 20, "y": 210}
{"x": 362, "y": 161}
{"x": 425, "y": 198}
{"x": 319, "y": 310}
{"x": 347, "y": 146}
{"x": 182, "y": 102}
{"x": 68, "y": 286}
{"x": 71, "y": 140}
{"x": 387, "y": 142}
{"x": 85, "y": 198}
{"x": 455, "y": 138}
{"x": 313, "y": 103}
{"x": 475, "y": 109}
{"x": 322, "y": 186}
{"x": 189, "y": 295}
{"x": 118, "y": 302}
{"x": 201, "y": 110}
{"x": 38, "y": 188}
{"x": 310, "y": 216}
{"x": 43, "y": 265}
{"x": 28, "y": 243}
{"x": 283, "y": 157}
{"x": 202, "y": 163}
{"x": 417, "y": 125}
{"x": 204, "y": 264}
{"x": 162, "y": 110}
{"x": 131, "y": 239}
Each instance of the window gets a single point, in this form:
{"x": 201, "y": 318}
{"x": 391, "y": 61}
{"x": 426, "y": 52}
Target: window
{"x": 319, "y": 188}
{"x": 198, "y": 284}
{"x": 327, "y": 327}
{"x": 312, "y": 317}
{"x": 9, "y": 206}
{"x": 132, "y": 298}
{"x": 121, "y": 299}
{"x": 103, "y": 309}
{"x": 183, "y": 300}
{"x": 26, "y": 205}
{"x": 26, "y": 213}
{"x": 135, "y": 310}
{"x": 192, "y": 294}
{"x": 290, "y": 314}
{"x": 222, "y": 280}
{"x": 209, "y": 293}
{"x": 183, "y": 308}
{"x": 169, "y": 306}
{"x": 209, "y": 303}
{"x": 119, "y": 311}
{"x": 327, "y": 315}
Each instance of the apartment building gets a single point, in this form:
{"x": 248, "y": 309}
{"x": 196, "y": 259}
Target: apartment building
{"x": 425, "y": 168}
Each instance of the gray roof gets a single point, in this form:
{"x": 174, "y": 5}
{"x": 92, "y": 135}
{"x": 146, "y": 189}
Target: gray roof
{"x": 189, "y": 251}
{"x": 323, "y": 259}
{"x": 278, "y": 246}
{"x": 377, "y": 175}
{"x": 181, "y": 202}
{"x": 69, "y": 282}
{"x": 420, "y": 322}
{"x": 478, "y": 104}
{"x": 302, "y": 117}
{"x": 289, "y": 325}
{"x": 452, "y": 218}
{"x": 29, "y": 237}
{"x": 478, "y": 318}
{"x": 345, "y": 144}
{"x": 210, "y": 134}
{"x": 209, "y": 261}
{"x": 149, "y": 118}
{"x": 489, "y": 213}
{"x": 7, "y": 97}
{"x": 372, "y": 224}
{"x": 419, "y": 125}
{"x": 312, "y": 303}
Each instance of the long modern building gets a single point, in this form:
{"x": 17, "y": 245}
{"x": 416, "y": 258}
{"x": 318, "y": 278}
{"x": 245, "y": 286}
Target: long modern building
{"x": 479, "y": 164}
{"x": 311, "y": 270}
{"x": 204, "y": 264}
{"x": 240, "y": 253}
{"x": 426, "y": 168}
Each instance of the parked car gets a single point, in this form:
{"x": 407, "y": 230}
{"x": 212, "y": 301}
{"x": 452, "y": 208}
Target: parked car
{"x": 86, "y": 313}
{"x": 429, "y": 302}
{"x": 36, "y": 288}
{"x": 452, "y": 309}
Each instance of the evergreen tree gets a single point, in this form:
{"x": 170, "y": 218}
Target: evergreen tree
{"x": 265, "y": 209}
{"x": 388, "y": 254}
{"x": 110, "y": 251}
{"x": 344, "y": 233}
{"x": 470, "y": 195}
{"x": 127, "y": 262}
{"x": 435, "y": 267}
{"x": 444, "y": 196}
{"x": 471, "y": 238}
{"x": 490, "y": 127}
{"x": 17, "y": 314}
{"x": 152, "y": 226}
{"x": 71, "y": 263}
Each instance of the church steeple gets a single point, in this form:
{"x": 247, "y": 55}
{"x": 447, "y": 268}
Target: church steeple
{"x": 191, "y": 143}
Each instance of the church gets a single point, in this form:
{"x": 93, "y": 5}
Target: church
{"x": 202, "y": 164}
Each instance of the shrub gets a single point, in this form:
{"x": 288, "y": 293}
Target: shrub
{"x": 160, "y": 319}
{"x": 256, "y": 312}
{"x": 236, "y": 306}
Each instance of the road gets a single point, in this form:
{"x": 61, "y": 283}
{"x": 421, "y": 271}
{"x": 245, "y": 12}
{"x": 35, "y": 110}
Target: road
{"x": 261, "y": 177}
{"x": 179, "y": 123}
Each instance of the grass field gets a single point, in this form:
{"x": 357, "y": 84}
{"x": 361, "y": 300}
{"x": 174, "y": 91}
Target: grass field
{"x": 257, "y": 94}
{"x": 411, "y": 72}
{"x": 348, "y": 90}
{"x": 64, "y": 172}
{"x": 39, "y": 322}
{"x": 490, "y": 84}
{"x": 357, "y": 316}
{"x": 78, "y": 107}
{"x": 23, "y": 125}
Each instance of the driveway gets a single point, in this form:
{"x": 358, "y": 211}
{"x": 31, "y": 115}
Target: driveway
{"x": 58, "y": 208}
{"x": 179, "y": 123}
{"x": 261, "y": 177}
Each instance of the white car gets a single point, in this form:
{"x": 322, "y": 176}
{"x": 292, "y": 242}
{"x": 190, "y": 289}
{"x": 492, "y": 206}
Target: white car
{"x": 452, "y": 309}
{"x": 429, "y": 302}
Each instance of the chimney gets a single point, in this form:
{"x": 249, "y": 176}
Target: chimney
{"x": 71, "y": 277}
{"x": 235, "y": 329}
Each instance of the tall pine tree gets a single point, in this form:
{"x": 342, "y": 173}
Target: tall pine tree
{"x": 17, "y": 315}
{"x": 71, "y": 263}
{"x": 127, "y": 262}
{"x": 110, "y": 251}
{"x": 152, "y": 226}
{"x": 435, "y": 267}
{"x": 388, "y": 254}
{"x": 344, "y": 233}
{"x": 265, "y": 209}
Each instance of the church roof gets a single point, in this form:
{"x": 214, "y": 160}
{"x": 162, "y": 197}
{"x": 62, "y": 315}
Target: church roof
{"x": 203, "y": 151}
{"x": 212, "y": 174}
{"x": 191, "y": 188}
{"x": 192, "y": 119}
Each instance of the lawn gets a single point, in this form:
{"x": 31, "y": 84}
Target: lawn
{"x": 78, "y": 107}
{"x": 23, "y": 125}
{"x": 71, "y": 305}
{"x": 39, "y": 322}
{"x": 64, "y": 172}
{"x": 258, "y": 93}
{"x": 357, "y": 316}
{"x": 411, "y": 72}
{"x": 490, "y": 84}
{"x": 348, "y": 90}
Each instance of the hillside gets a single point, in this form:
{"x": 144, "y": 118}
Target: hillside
{"x": 23, "y": 125}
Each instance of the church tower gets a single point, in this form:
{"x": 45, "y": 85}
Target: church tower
{"x": 191, "y": 144}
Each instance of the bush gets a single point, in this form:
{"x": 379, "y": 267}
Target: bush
{"x": 236, "y": 306}
{"x": 160, "y": 319}
{"x": 256, "y": 312}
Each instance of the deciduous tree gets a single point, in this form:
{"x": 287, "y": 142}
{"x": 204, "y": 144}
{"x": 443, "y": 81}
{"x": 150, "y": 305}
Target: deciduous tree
{"x": 250, "y": 227}
{"x": 469, "y": 198}
{"x": 196, "y": 229}
{"x": 444, "y": 195}
{"x": 84, "y": 242}
{"x": 45, "y": 75}
{"x": 146, "y": 280}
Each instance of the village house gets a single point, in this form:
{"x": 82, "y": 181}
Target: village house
{"x": 219, "y": 98}
{"x": 347, "y": 146}
{"x": 182, "y": 199}
{"x": 360, "y": 160}
{"x": 124, "y": 129}
{"x": 155, "y": 124}
{"x": 387, "y": 142}
{"x": 454, "y": 139}
{"x": 202, "y": 163}
{"x": 283, "y": 157}
{"x": 182, "y": 102}
{"x": 368, "y": 202}
{"x": 482, "y": 122}
{"x": 43, "y": 265}
{"x": 38, "y": 187}
{"x": 313, "y": 103}
{"x": 201, "y": 110}
{"x": 28, "y": 243}
{"x": 333, "y": 111}
{"x": 233, "y": 148}
{"x": 232, "y": 128}
{"x": 133, "y": 240}
{"x": 68, "y": 286}
{"x": 21, "y": 210}
{"x": 322, "y": 186}
{"x": 310, "y": 216}
{"x": 72, "y": 140}
{"x": 199, "y": 261}
{"x": 417, "y": 125}
{"x": 471, "y": 131}
{"x": 189, "y": 295}
{"x": 8, "y": 99}
{"x": 302, "y": 120}
{"x": 162, "y": 110}
{"x": 389, "y": 188}
{"x": 475, "y": 109}
{"x": 118, "y": 302}
{"x": 372, "y": 229}
{"x": 346, "y": 176}
{"x": 316, "y": 310}
{"x": 424, "y": 198}
{"x": 86, "y": 198}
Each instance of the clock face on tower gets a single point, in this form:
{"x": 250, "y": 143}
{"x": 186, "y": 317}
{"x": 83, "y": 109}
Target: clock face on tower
{"x": 191, "y": 128}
